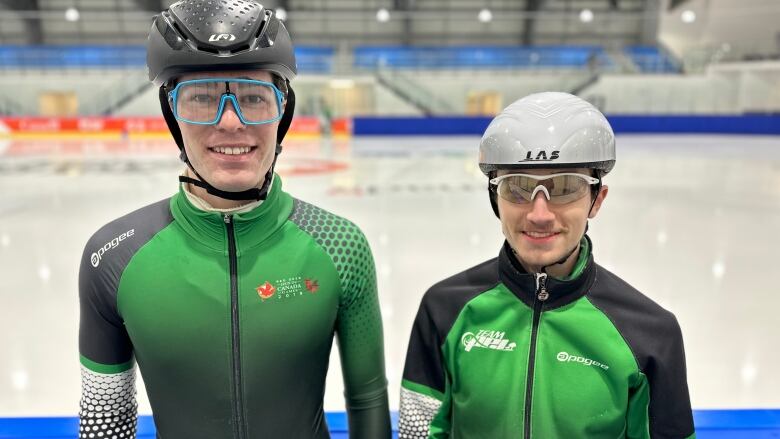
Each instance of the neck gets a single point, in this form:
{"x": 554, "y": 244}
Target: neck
{"x": 213, "y": 200}
{"x": 558, "y": 270}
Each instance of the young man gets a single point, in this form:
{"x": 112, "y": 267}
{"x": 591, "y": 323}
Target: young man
{"x": 228, "y": 294}
{"x": 542, "y": 342}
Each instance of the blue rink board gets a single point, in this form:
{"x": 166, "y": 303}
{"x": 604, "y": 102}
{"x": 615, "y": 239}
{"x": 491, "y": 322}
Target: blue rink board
{"x": 710, "y": 424}
{"x": 762, "y": 124}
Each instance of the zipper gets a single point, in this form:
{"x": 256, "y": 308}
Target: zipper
{"x": 541, "y": 296}
{"x": 238, "y": 408}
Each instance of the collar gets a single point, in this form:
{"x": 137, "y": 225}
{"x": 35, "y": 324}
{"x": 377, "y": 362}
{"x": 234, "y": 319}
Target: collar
{"x": 251, "y": 227}
{"x": 562, "y": 291}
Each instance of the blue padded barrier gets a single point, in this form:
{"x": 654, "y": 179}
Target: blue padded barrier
{"x": 710, "y": 424}
{"x": 475, "y": 125}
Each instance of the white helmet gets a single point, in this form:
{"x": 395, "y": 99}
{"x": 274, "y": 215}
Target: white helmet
{"x": 548, "y": 130}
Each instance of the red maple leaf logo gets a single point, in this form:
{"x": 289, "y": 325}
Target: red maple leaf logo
{"x": 312, "y": 285}
{"x": 266, "y": 290}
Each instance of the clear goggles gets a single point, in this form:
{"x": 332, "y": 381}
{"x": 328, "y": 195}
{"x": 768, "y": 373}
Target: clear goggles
{"x": 202, "y": 101}
{"x": 560, "y": 188}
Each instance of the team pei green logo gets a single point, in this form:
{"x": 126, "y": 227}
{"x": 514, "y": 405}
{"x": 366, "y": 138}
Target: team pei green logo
{"x": 486, "y": 339}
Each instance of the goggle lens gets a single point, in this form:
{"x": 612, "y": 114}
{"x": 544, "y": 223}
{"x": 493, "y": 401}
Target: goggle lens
{"x": 561, "y": 188}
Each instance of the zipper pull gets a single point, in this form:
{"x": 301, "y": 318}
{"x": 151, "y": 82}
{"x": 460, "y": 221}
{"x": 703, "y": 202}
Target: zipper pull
{"x": 541, "y": 287}
{"x": 228, "y": 218}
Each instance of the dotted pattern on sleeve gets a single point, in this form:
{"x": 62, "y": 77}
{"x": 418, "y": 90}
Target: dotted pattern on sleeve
{"x": 416, "y": 413}
{"x": 108, "y": 405}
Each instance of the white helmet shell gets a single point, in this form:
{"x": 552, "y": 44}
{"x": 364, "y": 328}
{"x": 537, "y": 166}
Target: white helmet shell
{"x": 548, "y": 130}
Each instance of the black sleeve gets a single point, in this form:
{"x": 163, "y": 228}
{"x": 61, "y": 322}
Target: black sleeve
{"x": 102, "y": 336}
{"x": 655, "y": 338}
{"x": 425, "y": 404}
{"x": 108, "y": 406}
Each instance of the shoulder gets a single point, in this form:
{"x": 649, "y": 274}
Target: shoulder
{"x": 617, "y": 295}
{"x": 125, "y": 235}
{"x": 444, "y": 301}
{"x": 311, "y": 217}
{"x": 328, "y": 229}
{"x": 465, "y": 285}
{"x": 643, "y": 323}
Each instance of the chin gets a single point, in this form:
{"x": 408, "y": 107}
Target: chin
{"x": 540, "y": 259}
{"x": 237, "y": 183}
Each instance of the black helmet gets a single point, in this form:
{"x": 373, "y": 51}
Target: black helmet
{"x": 203, "y": 35}
{"x": 218, "y": 35}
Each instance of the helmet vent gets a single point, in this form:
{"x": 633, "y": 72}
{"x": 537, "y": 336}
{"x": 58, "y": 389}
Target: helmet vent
{"x": 201, "y": 35}
{"x": 180, "y": 31}
{"x": 219, "y": 26}
{"x": 270, "y": 34}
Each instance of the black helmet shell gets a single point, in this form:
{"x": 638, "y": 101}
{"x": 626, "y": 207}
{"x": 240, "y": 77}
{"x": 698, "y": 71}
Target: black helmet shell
{"x": 211, "y": 35}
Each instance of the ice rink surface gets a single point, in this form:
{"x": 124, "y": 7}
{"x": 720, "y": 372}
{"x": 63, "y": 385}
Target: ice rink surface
{"x": 692, "y": 221}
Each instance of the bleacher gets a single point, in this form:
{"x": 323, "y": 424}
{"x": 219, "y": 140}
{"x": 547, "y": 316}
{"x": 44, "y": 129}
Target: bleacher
{"x": 471, "y": 57}
{"x": 314, "y": 59}
{"x": 652, "y": 59}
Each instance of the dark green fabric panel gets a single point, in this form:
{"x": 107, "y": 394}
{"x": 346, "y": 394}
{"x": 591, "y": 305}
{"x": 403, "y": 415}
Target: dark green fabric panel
{"x": 487, "y": 384}
{"x": 359, "y": 321}
{"x": 175, "y": 301}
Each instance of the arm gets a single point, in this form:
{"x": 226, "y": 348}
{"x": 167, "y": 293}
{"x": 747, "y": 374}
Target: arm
{"x": 359, "y": 330}
{"x": 425, "y": 392}
{"x": 659, "y": 406}
{"x": 108, "y": 403}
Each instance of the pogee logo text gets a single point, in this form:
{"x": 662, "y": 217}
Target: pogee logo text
{"x": 565, "y": 357}
{"x": 98, "y": 255}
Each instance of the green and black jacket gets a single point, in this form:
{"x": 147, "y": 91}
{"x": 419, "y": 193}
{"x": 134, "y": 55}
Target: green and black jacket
{"x": 497, "y": 352}
{"x": 230, "y": 319}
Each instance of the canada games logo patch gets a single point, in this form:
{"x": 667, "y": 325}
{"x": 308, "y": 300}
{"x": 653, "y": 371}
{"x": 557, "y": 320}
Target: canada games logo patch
{"x": 288, "y": 288}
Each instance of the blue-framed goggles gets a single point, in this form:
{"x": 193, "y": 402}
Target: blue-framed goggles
{"x": 202, "y": 101}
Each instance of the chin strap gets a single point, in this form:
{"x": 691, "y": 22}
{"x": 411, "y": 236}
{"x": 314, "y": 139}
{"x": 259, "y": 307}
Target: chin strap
{"x": 250, "y": 194}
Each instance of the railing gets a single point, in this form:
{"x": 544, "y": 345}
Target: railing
{"x": 652, "y": 59}
{"x": 111, "y": 97}
{"x": 414, "y": 93}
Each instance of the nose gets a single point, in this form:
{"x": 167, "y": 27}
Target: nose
{"x": 540, "y": 213}
{"x": 229, "y": 121}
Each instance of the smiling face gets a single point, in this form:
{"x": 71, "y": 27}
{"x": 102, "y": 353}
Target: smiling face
{"x": 229, "y": 155}
{"x": 541, "y": 233}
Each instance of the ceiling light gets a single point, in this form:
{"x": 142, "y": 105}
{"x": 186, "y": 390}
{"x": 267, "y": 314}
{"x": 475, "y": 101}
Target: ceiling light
{"x": 485, "y": 15}
{"x": 586, "y": 16}
{"x": 688, "y": 16}
{"x": 72, "y": 14}
{"x": 281, "y": 14}
{"x": 383, "y": 15}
